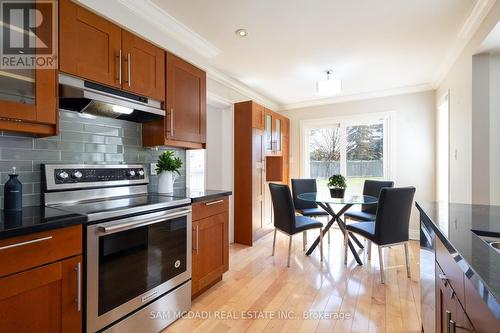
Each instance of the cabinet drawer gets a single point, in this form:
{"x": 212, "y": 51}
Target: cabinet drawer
{"x": 25, "y": 252}
{"x": 450, "y": 268}
{"x": 210, "y": 207}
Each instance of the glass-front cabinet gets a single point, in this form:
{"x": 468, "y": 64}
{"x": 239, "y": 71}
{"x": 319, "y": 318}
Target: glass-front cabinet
{"x": 28, "y": 77}
{"x": 268, "y": 128}
{"x": 277, "y": 135}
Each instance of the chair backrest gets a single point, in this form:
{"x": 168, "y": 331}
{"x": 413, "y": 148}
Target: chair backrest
{"x": 372, "y": 188}
{"x": 300, "y": 186}
{"x": 393, "y": 215}
{"x": 284, "y": 210}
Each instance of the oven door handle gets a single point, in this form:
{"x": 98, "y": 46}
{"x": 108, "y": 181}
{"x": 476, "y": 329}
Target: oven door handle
{"x": 141, "y": 223}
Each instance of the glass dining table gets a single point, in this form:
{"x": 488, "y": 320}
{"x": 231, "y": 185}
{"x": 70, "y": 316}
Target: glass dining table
{"x": 325, "y": 201}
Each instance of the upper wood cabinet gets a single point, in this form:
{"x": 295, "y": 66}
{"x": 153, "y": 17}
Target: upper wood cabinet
{"x": 185, "y": 121}
{"x": 28, "y": 98}
{"x": 89, "y": 45}
{"x": 143, "y": 67}
{"x": 97, "y": 50}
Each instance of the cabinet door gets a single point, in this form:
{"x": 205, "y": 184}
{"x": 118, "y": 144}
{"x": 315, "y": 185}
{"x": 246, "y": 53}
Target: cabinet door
{"x": 143, "y": 67}
{"x": 277, "y": 134}
{"x": 210, "y": 250}
{"x": 89, "y": 45}
{"x": 186, "y": 101}
{"x": 449, "y": 309}
{"x": 44, "y": 299}
{"x": 29, "y": 95}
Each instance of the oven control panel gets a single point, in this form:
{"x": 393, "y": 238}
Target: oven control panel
{"x": 97, "y": 175}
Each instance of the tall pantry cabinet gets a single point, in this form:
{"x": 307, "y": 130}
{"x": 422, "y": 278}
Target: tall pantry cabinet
{"x": 260, "y": 157}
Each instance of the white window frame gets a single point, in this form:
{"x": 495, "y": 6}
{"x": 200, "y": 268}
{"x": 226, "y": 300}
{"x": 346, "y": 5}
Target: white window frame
{"x": 345, "y": 121}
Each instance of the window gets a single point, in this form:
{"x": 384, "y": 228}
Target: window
{"x": 195, "y": 169}
{"x": 353, "y": 147}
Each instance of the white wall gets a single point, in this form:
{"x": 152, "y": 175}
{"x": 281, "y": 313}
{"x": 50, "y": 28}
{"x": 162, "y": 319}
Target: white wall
{"x": 413, "y": 138}
{"x": 459, "y": 82}
{"x": 494, "y": 128}
{"x": 219, "y": 154}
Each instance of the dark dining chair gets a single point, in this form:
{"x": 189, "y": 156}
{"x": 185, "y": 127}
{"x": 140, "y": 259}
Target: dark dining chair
{"x": 368, "y": 212}
{"x": 306, "y": 208}
{"x": 285, "y": 219}
{"x": 390, "y": 226}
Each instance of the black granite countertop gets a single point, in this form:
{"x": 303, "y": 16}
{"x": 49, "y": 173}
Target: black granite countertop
{"x": 197, "y": 195}
{"x": 462, "y": 228}
{"x": 35, "y": 219}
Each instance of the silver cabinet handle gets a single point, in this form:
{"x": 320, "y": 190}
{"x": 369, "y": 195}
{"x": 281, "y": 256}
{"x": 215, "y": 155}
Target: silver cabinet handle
{"x": 171, "y": 121}
{"x": 448, "y": 320}
{"x": 197, "y": 239}
{"x": 25, "y": 243}
{"x": 213, "y": 202}
{"x": 78, "y": 270}
{"x": 444, "y": 279}
{"x": 129, "y": 60}
{"x": 452, "y": 326}
{"x": 120, "y": 66}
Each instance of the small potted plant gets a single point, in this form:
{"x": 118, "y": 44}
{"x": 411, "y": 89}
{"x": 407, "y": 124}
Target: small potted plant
{"x": 167, "y": 168}
{"x": 337, "y": 185}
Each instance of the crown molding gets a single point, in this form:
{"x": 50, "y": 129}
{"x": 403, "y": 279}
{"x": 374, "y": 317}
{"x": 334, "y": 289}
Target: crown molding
{"x": 357, "y": 97}
{"x": 465, "y": 33}
{"x": 148, "y": 10}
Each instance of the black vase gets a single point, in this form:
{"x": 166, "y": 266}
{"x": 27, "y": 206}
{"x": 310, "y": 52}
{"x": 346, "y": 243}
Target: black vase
{"x": 13, "y": 194}
{"x": 337, "y": 192}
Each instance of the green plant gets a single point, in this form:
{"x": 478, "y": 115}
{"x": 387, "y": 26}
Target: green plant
{"x": 168, "y": 162}
{"x": 337, "y": 181}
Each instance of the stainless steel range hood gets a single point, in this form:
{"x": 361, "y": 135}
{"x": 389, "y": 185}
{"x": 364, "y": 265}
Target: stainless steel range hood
{"x": 79, "y": 95}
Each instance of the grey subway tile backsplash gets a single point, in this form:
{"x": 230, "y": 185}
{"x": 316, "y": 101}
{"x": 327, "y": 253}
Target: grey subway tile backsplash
{"x": 82, "y": 139}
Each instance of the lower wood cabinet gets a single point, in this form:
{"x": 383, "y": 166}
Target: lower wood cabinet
{"x": 46, "y": 298}
{"x": 210, "y": 250}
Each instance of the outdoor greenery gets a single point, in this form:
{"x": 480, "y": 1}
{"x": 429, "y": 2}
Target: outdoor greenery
{"x": 364, "y": 143}
{"x": 337, "y": 181}
{"x": 168, "y": 162}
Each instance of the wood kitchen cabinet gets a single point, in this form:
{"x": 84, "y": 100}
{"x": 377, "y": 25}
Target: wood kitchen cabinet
{"x": 258, "y": 163}
{"x": 98, "y": 50}
{"x": 185, "y": 122}
{"x": 28, "y": 97}
{"x": 210, "y": 254}
{"x": 47, "y": 296}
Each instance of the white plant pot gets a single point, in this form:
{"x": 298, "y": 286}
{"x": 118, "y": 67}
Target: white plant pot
{"x": 166, "y": 181}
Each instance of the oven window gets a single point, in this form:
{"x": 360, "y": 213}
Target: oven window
{"x": 134, "y": 261}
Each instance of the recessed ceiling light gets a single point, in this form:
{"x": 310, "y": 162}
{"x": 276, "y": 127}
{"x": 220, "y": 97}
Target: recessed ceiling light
{"x": 329, "y": 86}
{"x": 241, "y": 32}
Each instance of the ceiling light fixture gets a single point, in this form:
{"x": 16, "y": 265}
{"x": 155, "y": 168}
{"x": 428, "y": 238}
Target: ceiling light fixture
{"x": 329, "y": 86}
{"x": 241, "y": 32}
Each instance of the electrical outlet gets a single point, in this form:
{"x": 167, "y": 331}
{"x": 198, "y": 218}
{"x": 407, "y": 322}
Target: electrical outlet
{"x": 152, "y": 167}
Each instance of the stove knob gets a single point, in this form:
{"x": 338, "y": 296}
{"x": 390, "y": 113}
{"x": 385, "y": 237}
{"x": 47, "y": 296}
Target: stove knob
{"x": 141, "y": 172}
{"x": 77, "y": 175}
{"x": 63, "y": 175}
{"x": 131, "y": 173}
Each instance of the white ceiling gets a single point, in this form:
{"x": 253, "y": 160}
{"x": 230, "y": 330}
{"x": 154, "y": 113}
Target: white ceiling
{"x": 373, "y": 46}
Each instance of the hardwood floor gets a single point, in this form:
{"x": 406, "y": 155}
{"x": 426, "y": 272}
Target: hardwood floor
{"x": 256, "y": 281}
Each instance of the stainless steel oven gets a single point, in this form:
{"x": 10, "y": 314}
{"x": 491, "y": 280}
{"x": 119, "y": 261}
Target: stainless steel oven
{"x": 134, "y": 260}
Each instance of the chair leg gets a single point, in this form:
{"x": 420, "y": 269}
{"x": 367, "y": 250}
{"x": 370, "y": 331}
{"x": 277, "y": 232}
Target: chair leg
{"x": 328, "y": 236}
{"x": 321, "y": 243}
{"x": 304, "y": 240}
{"x": 381, "y": 262}
{"x": 346, "y": 242}
{"x": 274, "y": 239}
{"x": 289, "y": 251}
{"x": 407, "y": 256}
{"x": 369, "y": 248}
